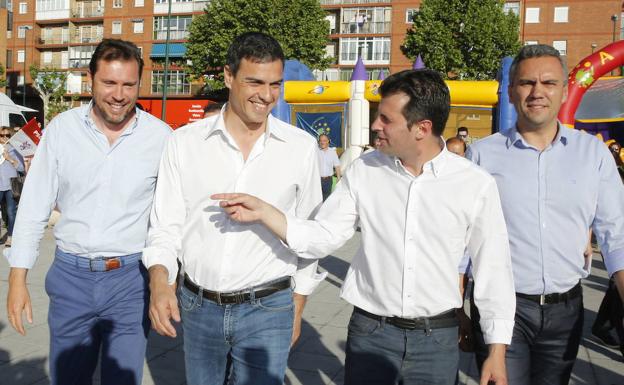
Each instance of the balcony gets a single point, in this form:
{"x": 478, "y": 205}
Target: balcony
{"x": 56, "y": 62}
{"x": 340, "y": 2}
{"x": 365, "y": 28}
{"x": 87, "y": 9}
{"x": 86, "y": 39}
{"x": 54, "y": 39}
{"x": 173, "y": 35}
{"x": 79, "y": 63}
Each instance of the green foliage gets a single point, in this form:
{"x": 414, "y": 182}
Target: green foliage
{"x": 3, "y": 81}
{"x": 50, "y": 84}
{"x": 463, "y": 39}
{"x": 299, "y": 26}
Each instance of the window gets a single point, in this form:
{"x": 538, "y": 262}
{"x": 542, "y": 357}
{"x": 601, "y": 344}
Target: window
{"x": 178, "y": 82}
{"x": 561, "y": 14}
{"x": 9, "y": 59}
{"x": 372, "y": 50}
{"x": 531, "y": 42}
{"x": 80, "y": 56}
{"x": 138, "y": 3}
{"x": 47, "y": 57}
{"x": 560, "y": 45}
{"x": 20, "y": 80}
{"x": 179, "y": 27}
{"x": 410, "y": 14}
{"x": 21, "y": 32}
{"x": 532, "y": 15}
{"x": 512, "y": 7}
{"x": 23, "y": 8}
{"x": 116, "y": 28}
{"x": 52, "y": 5}
{"x": 366, "y": 20}
{"x": 117, "y": 3}
{"x": 137, "y": 26}
{"x": 20, "y": 55}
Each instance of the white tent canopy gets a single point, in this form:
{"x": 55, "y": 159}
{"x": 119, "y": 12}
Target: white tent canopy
{"x": 8, "y": 107}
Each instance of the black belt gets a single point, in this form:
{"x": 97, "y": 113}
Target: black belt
{"x": 326, "y": 177}
{"x": 241, "y": 296}
{"x": 551, "y": 299}
{"x": 444, "y": 320}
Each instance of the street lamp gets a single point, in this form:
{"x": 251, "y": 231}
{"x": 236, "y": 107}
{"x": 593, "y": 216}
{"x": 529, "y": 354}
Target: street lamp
{"x": 163, "y": 113}
{"x": 613, "y": 19}
{"x": 25, "y": 28}
{"x": 594, "y": 45}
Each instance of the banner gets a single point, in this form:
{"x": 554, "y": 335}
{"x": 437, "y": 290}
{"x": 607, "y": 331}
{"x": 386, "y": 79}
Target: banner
{"x": 25, "y": 141}
{"x": 317, "y": 123}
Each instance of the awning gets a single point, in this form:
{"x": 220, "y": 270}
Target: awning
{"x": 175, "y": 50}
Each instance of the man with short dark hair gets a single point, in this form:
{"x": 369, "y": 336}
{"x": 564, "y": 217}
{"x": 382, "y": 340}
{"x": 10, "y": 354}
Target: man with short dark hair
{"x": 554, "y": 183}
{"x": 98, "y": 164}
{"x": 462, "y": 133}
{"x": 403, "y": 280}
{"x": 236, "y": 297}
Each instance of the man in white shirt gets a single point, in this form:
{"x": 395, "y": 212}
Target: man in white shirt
{"x": 419, "y": 208}
{"x": 328, "y": 164}
{"x": 235, "y": 298}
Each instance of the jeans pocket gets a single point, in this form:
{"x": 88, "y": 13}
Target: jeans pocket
{"x": 186, "y": 299}
{"x": 280, "y": 301}
{"x": 446, "y": 337}
{"x": 361, "y": 325}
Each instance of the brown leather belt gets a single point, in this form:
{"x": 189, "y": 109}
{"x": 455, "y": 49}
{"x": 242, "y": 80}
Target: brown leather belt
{"x": 551, "y": 299}
{"x": 443, "y": 320}
{"x": 242, "y": 296}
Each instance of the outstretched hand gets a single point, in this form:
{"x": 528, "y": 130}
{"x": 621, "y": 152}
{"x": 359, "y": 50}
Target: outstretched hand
{"x": 241, "y": 207}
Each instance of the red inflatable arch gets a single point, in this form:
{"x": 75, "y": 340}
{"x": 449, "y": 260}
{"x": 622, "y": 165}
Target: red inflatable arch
{"x": 585, "y": 74}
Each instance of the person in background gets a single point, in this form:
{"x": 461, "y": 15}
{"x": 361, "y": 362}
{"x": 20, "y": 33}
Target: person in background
{"x": 456, "y": 146}
{"x": 11, "y": 163}
{"x": 462, "y": 133}
{"x": 328, "y": 164}
{"x": 212, "y": 109}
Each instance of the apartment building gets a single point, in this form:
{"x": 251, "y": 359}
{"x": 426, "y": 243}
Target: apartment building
{"x": 64, "y": 33}
{"x": 375, "y": 30}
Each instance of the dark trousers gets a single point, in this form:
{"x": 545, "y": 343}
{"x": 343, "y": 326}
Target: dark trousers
{"x": 326, "y": 185}
{"x": 378, "y": 353}
{"x": 544, "y": 345}
{"x": 92, "y": 312}
{"x": 612, "y": 312}
{"x": 8, "y": 204}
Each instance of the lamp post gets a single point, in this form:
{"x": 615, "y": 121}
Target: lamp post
{"x": 614, "y": 18}
{"x": 594, "y": 45}
{"x": 163, "y": 115}
{"x": 25, "y": 28}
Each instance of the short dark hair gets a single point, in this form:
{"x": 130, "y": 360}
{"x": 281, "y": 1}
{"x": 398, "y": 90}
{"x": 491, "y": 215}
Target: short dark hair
{"x": 462, "y": 128}
{"x": 210, "y": 107}
{"x": 428, "y": 96}
{"x": 535, "y": 51}
{"x": 254, "y": 46}
{"x": 115, "y": 49}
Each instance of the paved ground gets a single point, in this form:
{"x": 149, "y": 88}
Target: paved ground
{"x": 317, "y": 359}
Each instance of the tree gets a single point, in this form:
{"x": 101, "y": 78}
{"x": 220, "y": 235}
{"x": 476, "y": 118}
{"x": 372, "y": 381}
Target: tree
{"x": 3, "y": 81}
{"x": 299, "y": 26}
{"x": 50, "y": 85}
{"x": 463, "y": 39}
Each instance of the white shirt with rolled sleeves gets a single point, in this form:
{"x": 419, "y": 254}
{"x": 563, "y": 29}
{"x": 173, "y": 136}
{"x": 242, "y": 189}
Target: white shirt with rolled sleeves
{"x": 216, "y": 252}
{"x": 414, "y": 233}
{"x": 104, "y": 192}
{"x": 328, "y": 161}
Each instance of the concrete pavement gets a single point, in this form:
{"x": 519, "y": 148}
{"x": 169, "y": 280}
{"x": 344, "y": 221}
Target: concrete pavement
{"x": 318, "y": 358}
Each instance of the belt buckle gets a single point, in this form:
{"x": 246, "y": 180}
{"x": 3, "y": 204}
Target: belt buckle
{"x": 542, "y": 299}
{"x": 112, "y": 263}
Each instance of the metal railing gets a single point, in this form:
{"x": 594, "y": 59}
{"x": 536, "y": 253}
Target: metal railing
{"x": 338, "y": 2}
{"x": 87, "y": 9}
{"x": 367, "y": 27}
{"x": 78, "y": 38}
{"x": 54, "y": 39}
{"x": 173, "y": 35}
{"x": 79, "y": 63}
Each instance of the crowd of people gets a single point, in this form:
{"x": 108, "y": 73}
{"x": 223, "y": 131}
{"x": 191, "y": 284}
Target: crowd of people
{"x": 221, "y": 224}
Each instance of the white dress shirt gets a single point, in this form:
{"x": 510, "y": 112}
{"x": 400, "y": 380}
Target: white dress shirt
{"x": 414, "y": 233}
{"x": 328, "y": 160}
{"x": 104, "y": 192}
{"x": 217, "y": 253}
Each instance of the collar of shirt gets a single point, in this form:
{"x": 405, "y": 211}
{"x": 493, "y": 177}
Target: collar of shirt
{"x": 85, "y": 113}
{"x": 217, "y": 125}
{"x": 514, "y": 138}
{"x": 434, "y": 166}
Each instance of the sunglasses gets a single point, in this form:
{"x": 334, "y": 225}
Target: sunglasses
{"x": 5, "y": 135}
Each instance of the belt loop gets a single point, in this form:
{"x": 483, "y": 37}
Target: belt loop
{"x": 382, "y": 322}
{"x": 427, "y": 327}
{"x": 200, "y": 296}
{"x": 252, "y": 295}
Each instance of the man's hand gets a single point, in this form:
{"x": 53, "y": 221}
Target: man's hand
{"x": 300, "y": 301}
{"x": 465, "y": 331}
{"x": 494, "y": 366}
{"x": 247, "y": 208}
{"x": 163, "y": 302}
{"x": 18, "y": 300}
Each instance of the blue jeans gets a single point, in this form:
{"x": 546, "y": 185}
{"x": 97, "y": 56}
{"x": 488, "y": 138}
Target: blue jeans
{"x": 380, "y": 354}
{"x": 255, "y": 335}
{"x": 11, "y": 209}
{"x": 93, "y": 311}
{"x": 326, "y": 186}
{"x": 544, "y": 345}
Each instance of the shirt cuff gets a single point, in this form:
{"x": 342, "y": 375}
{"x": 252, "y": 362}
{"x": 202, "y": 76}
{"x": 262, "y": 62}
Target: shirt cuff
{"x": 296, "y": 234}
{"x": 497, "y": 331}
{"x": 16, "y": 261}
{"x": 305, "y": 285}
{"x": 615, "y": 261}
{"x": 152, "y": 256}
